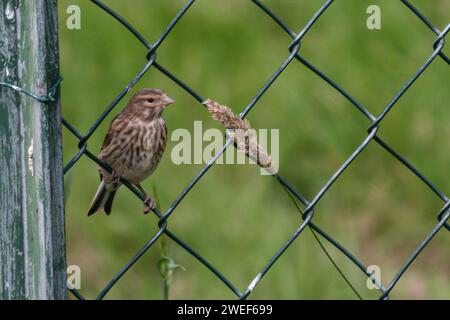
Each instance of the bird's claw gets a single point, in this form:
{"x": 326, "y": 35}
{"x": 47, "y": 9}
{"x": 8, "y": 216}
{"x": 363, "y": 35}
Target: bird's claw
{"x": 149, "y": 205}
{"x": 115, "y": 177}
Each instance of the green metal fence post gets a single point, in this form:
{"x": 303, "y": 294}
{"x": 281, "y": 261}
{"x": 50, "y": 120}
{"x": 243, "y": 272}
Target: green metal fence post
{"x": 32, "y": 241}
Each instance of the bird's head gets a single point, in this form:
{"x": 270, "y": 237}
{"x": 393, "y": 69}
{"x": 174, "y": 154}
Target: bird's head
{"x": 150, "y": 103}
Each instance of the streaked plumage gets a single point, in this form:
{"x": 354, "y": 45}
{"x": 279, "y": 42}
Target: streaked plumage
{"x": 133, "y": 146}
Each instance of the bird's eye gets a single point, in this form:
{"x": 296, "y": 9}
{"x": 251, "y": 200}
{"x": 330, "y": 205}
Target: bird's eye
{"x": 150, "y": 100}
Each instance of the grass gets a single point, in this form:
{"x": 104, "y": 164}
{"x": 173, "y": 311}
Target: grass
{"x": 234, "y": 217}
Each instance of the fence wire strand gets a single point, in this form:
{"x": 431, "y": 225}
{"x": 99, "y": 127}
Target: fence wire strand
{"x": 308, "y": 213}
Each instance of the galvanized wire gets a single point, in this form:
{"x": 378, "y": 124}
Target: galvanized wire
{"x": 308, "y": 212}
{"x": 49, "y": 97}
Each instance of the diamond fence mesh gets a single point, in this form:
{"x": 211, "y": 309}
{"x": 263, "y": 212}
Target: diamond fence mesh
{"x": 309, "y": 204}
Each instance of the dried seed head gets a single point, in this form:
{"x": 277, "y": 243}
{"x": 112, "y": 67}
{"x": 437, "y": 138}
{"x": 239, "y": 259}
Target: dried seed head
{"x": 246, "y": 142}
{"x": 225, "y": 116}
{"x": 243, "y": 136}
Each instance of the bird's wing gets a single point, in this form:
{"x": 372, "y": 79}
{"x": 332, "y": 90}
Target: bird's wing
{"x": 106, "y": 150}
{"x": 109, "y": 135}
{"x": 107, "y": 141}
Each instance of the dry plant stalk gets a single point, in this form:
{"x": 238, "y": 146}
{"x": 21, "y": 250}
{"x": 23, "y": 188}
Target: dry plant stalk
{"x": 240, "y": 131}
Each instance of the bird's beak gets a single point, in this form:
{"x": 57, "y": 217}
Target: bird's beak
{"x": 168, "y": 101}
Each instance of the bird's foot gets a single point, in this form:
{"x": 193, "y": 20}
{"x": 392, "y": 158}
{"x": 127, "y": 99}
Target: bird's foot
{"x": 149, "y": 205}
{"x": 115, "y": 177}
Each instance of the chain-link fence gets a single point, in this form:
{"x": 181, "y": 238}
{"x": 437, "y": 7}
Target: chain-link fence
{"x": 309, "y": 205}
{"x": 308, "y": 213}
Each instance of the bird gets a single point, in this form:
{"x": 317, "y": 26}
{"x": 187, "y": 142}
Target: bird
{"x": 133, "y": 147}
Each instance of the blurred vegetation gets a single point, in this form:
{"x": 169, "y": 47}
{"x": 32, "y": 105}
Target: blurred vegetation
{"x": 234, "y": 217}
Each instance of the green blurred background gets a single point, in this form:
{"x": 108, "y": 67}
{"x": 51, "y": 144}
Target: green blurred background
{"x": 235, "y": 217}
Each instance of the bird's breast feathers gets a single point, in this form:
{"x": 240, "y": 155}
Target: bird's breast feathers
{"x": 150, "y": 146}
{"x": 142, "y": 144}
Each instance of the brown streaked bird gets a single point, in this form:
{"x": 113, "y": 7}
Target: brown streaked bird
{"x": 133, "y": 147}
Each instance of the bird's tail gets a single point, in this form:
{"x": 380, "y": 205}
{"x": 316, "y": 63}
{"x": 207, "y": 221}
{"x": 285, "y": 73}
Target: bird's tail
{"x": 103, "y": 199}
